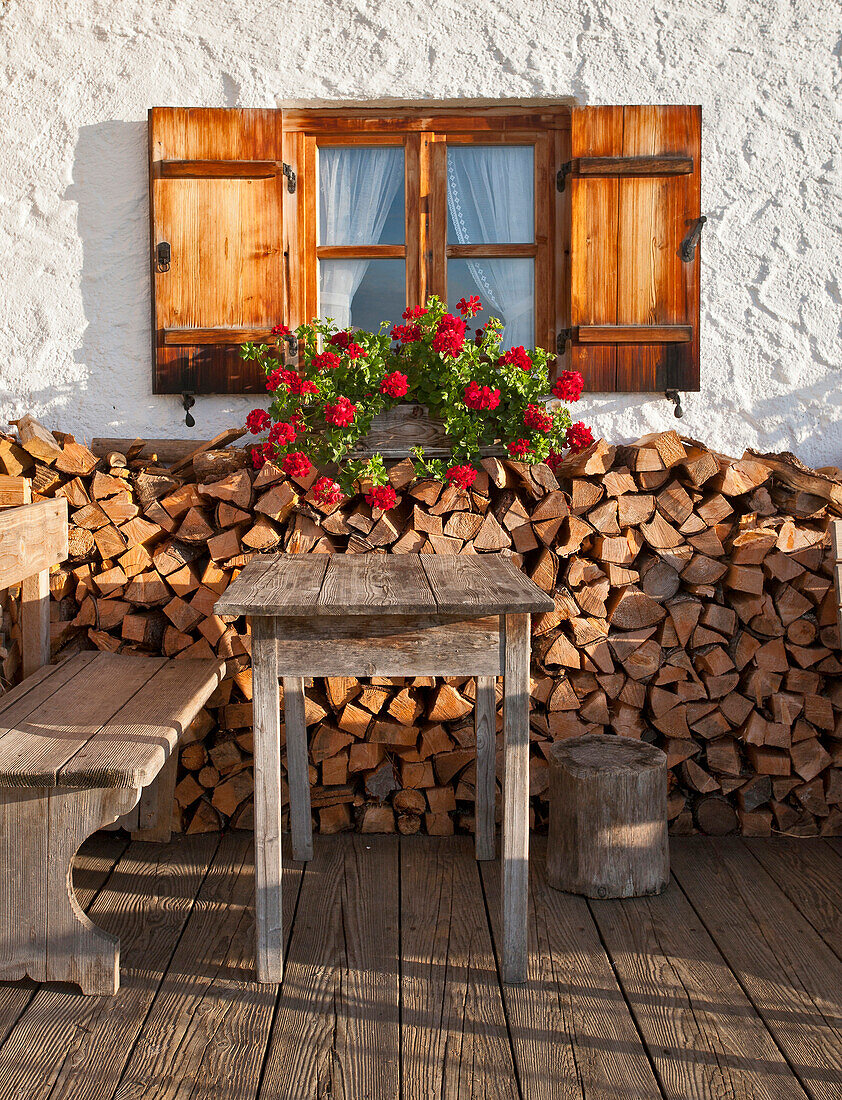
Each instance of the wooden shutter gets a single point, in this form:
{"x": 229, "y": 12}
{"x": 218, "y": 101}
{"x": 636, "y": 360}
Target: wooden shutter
{"x": 634, "y": 195}
{"x": 217, "y": 195}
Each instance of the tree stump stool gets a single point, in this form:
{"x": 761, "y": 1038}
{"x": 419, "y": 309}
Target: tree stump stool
{"x": 608, "y": 817}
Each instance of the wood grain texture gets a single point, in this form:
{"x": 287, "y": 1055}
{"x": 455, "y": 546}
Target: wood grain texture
{"x": 634, "y": 334}
{"x": 336, "y": 1031}
{"x": 364, "y": 584}
{"x": 705, "y": 1037}
{"x": 225, "y": 228}
{"x": 267, "y": 802}
{"x": 454, "y": 1039}
{"x": 485, "y": 725}
{"x": 515, "y": 891}
{"x": 32, "y": 538}
{"x": 626, "y": 231}
{"x": 793, "y": 979}
{"x": 669, "y": 165}
{"x": 35, "y": 622}
{"x": 277, "y": 584}
{"x": 482, "y": 585}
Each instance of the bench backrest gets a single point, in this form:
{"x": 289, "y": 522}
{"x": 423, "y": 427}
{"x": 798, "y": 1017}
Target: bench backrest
{"x": 32, "y": 538}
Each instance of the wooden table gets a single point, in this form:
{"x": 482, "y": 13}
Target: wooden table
{"x": 387, "y": 615}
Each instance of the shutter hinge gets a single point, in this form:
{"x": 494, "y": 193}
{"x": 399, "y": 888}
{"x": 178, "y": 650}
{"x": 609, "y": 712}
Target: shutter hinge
{"x": 289, "y": 172}
{"x": 687, "y": 248}
{"x": 562, "y": 174}
{"x": 564, "y": 337}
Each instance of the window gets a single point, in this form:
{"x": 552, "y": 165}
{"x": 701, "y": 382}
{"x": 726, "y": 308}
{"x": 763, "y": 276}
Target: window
{"x": 410, "y": 206}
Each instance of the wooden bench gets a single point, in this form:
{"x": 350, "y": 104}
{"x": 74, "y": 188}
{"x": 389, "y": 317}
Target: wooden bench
{"x": 79, "y": 742}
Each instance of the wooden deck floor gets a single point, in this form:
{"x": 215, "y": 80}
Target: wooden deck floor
{"x": 727, "y": 985}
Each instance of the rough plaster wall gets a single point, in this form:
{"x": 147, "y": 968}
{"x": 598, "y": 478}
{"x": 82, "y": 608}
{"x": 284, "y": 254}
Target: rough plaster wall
{"x": 78, "y": 76}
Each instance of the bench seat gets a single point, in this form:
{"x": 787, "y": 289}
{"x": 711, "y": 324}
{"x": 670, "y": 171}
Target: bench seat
{"x": 100, "y": 719}
{"x": 79, "y": 742}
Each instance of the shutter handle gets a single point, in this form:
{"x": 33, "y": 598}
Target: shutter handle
{"x": 187, "y": 403}
{"x": 163, "y": 256}
{"x": 687, "y": 248}
{"x": 675, "y": 396}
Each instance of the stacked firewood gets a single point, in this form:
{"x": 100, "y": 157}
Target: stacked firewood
{"x": 694, "y": 608}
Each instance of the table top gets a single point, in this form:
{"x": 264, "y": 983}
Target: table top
{"x": 306, "y": 585}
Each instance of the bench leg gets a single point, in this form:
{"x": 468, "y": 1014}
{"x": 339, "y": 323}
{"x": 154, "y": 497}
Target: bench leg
{"x": 44, "y": 933}
{"x": 300, "y": 816}
{"x": 485, "y": 723}
{"x": 156, "y": 805}
{"x": 516, "y": 798}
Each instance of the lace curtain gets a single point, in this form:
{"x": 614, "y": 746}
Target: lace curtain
{"x": 490, "y": 201}
{"x": 357, "y": 187}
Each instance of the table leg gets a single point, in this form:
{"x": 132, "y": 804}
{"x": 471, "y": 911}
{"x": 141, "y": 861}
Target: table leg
{"x": 516, "y": 798}
{"x": 300, "y": 817}
{"x": 267, "y": 801}
{"x": 485, "y": 723}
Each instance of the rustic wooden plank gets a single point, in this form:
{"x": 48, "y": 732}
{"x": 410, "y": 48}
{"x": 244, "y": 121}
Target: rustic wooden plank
{"x": 35, "y": 622}
{"x": 571, "y": 1031}
{"x": 223, "y": 439}
{"x": 485, "y": 725}
{"x": 337, "y": 1028}
{"x": 70, "y": 1047}
{"x": 298, "y": 777}
{"x": 31, "y": 693}
{"x": 703, "y": 1033}
{"x": 208, "y": 1028}
{"x": 357, "y": 251}
{"x": 32, "y": 538}
{"x": 278, "y": 584}
{"x": 811, "y": 877}
{"x": 218, "y": 169}
{"x": 515, "y": 798}
{"x": 155, "y": 808}
{"x": 364, "y": 584}
{"x": 38, "y": 746}
{"x": 15, "y": 490}
{"x": 24, "y": 857}
{"x": 793, "y": 979}
{"x": 454, "y": 1039}
{"x": 219, "y": 336}
{"x": 485, "y": 584}
{"x": 666, "y": 165}
{"x": 634, "y": 334}
{"x": 394, "y": 645}
{"x": 132, "y": 745}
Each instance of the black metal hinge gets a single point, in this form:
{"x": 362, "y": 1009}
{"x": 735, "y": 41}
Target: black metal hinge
{"x": 289, "y": 172}
{"x": 562, "y": 174}
{"x": 563, "y": 339}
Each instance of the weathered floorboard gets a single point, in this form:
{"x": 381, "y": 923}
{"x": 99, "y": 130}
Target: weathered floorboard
{"x": 70, "y": 1046}
{"x": 454, "y": 1039}
{"x": 336, "y": 1033}
{"x": 793, "y": 979}
{"x": 572, "y": 1033}
{"x": 703, "y": 1033}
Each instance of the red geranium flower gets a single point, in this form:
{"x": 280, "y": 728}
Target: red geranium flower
{"x": 450, "y": 335}
{"x": 341, "y": 414}
{"x": 554, "y": 460}
{"x": 461, "y": 475}
{"x": 536, "y": 417}
{"x": 327, "y": 492}
{"x": 569, "y": 386}
{"x": 281, "y": 330}
{"x": 257, "y": 421}
{"x": 282, "y": 433}
{"x": 516, "y": 357}
{"x": 519, "y": 448}
{"x": 275, "y": 378}
{"x": 268, "y": 449}
{"x": 341, "y": 339}
{"x": 394, "y": 384}
{"x": 481, "y": 397}
{"x": 578, "y": 436}
{"x": 383, "y": 497}
{"x": 413, "y": 313}
{"x": 258, "y": 459}
{"x": 356, "y": 351}
{"x": 407, "y": 334}
{"x": 328, "y": 360}
{"x": 297, "y": 464}
{"x": 469, "y": 307}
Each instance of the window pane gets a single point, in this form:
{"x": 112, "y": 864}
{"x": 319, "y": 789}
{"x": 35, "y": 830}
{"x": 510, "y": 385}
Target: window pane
{"x": 490, "y": 194}
{"x": 361, "y": 194}
{"x": 506, "y": 288}
{"x": 362, "y": 293}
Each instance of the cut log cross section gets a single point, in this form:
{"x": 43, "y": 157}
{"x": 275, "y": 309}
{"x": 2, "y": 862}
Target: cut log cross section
{"x": 379, "y": 615}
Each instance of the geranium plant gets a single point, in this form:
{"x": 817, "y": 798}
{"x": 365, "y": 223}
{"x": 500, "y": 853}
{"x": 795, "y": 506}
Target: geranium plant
{"x": 482, "y": 394}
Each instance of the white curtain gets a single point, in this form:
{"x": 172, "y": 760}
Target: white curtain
{"x": 490, "y": 200}
{"x": 357, "y": 186}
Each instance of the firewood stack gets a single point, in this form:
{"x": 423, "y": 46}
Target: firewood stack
{"x": 695, "y": 609}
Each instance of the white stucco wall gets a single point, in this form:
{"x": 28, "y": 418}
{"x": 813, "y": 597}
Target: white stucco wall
{"x": 76, "y": 78}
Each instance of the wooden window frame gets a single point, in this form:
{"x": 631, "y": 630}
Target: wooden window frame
{"x": 425, "y": 131}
